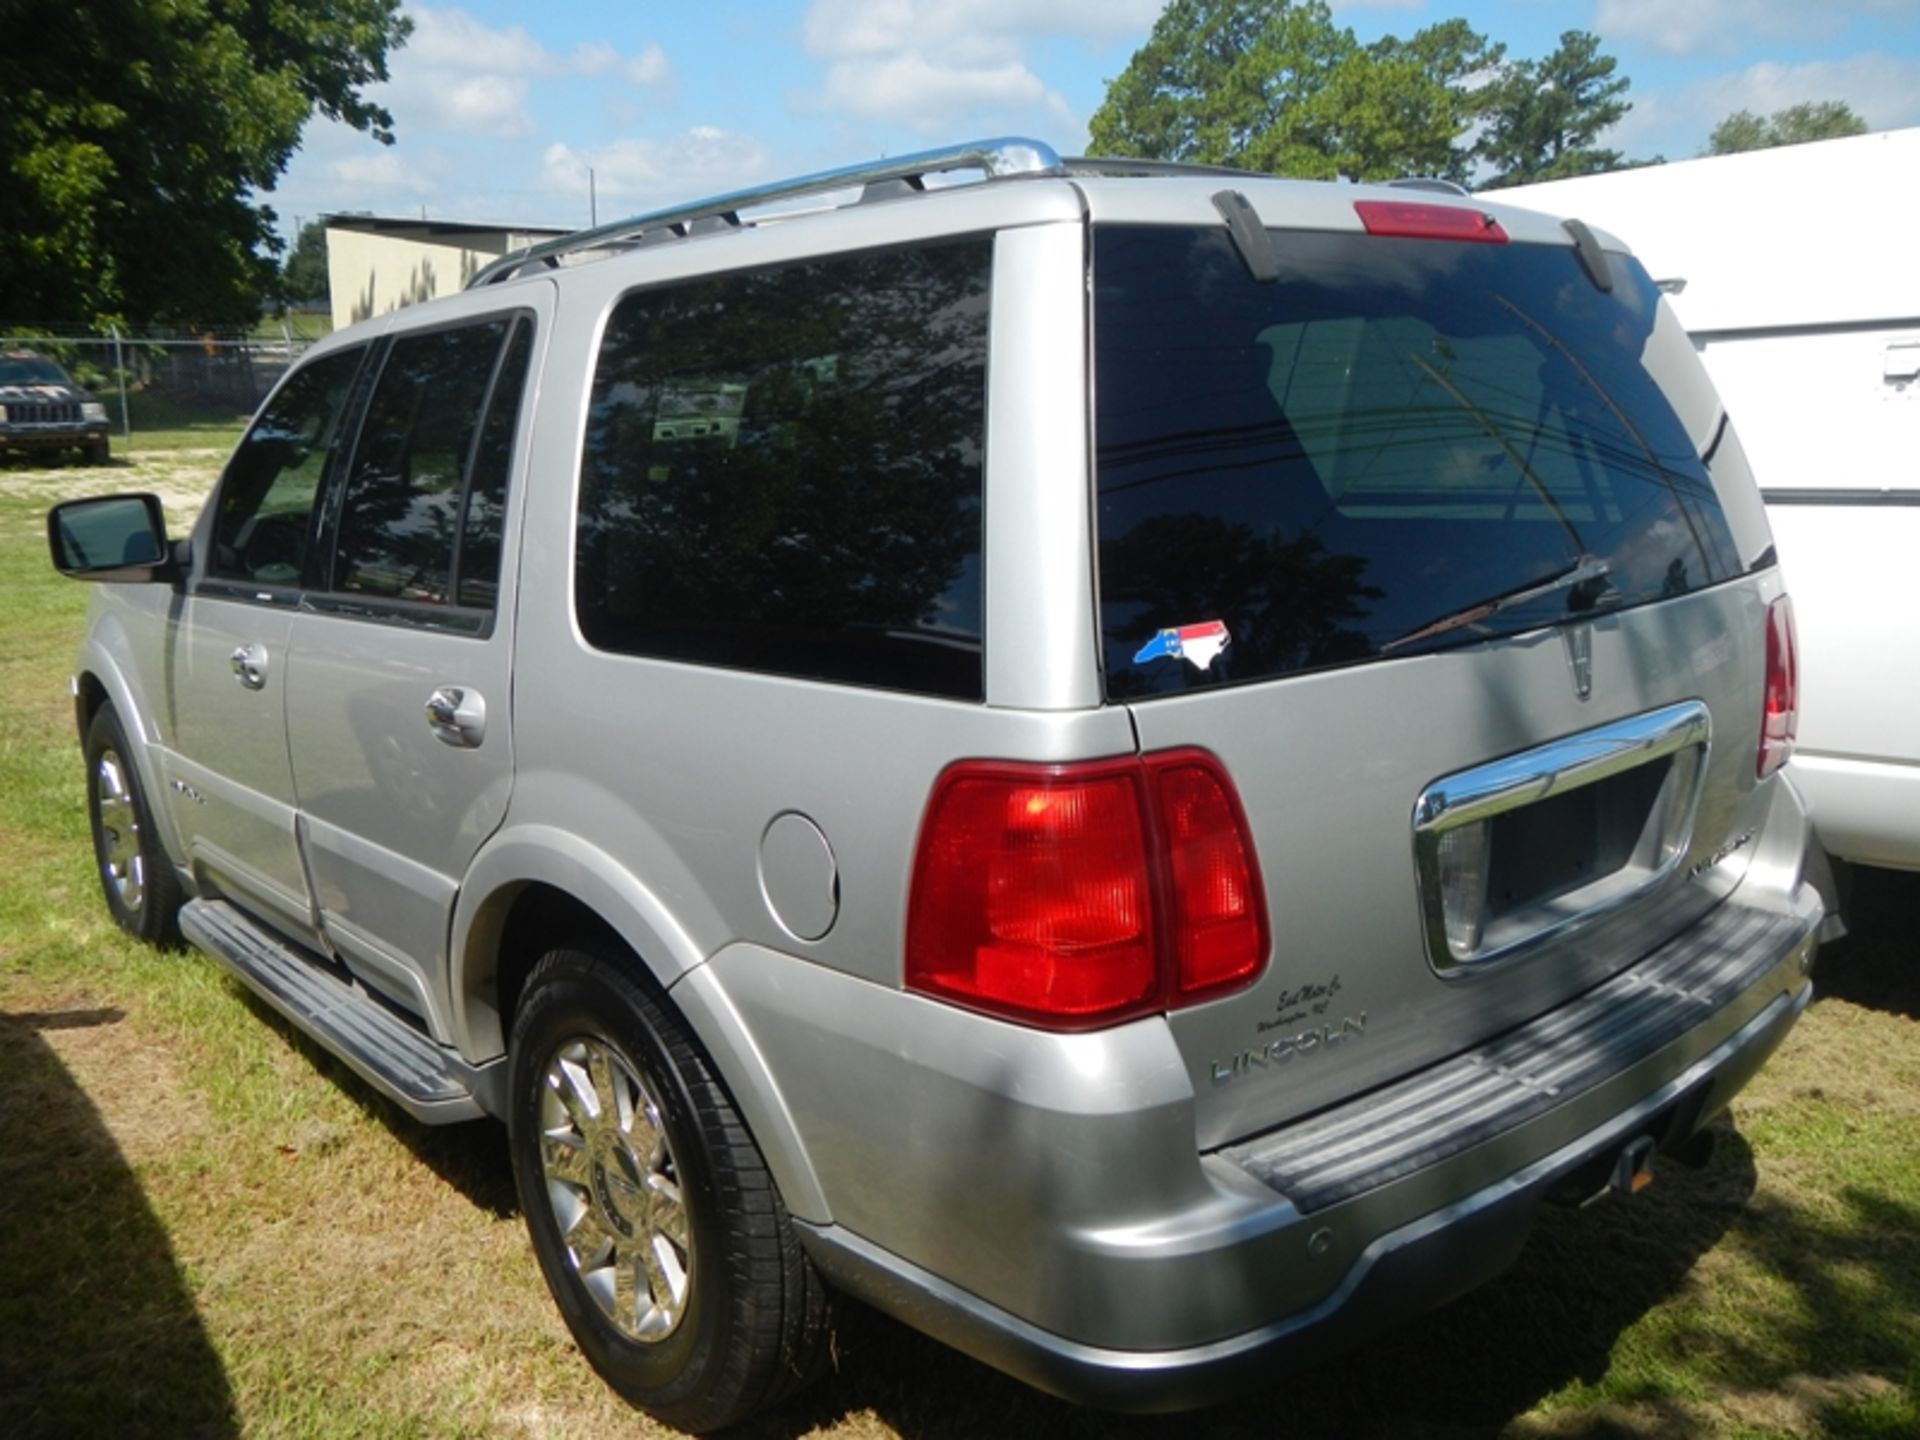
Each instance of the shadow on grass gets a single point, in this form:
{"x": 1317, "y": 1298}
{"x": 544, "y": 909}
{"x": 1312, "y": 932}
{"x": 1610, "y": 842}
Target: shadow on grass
{"x": 1473, "y": 1367}
{"x": 29, "y": 462}
{"x": 1466, "y": 1369}
{"x": 471, "y": 1157}
{"x": 1878, "y": 963}
{"x": 98, "y": 1330}
{"x": 1822, "y": 1339}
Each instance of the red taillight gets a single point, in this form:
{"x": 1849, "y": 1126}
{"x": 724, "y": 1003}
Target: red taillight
{"x": 1780, "y": 710}
{"x": 1079, "y": 895}
{"x": 1429, "y": 222}
{"x": 1219, "y": 923}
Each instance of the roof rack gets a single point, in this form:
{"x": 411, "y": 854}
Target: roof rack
{"x": 878, "y": 179}
{"x": 1429, "y": 182}
{"x": 1125, "y": 165}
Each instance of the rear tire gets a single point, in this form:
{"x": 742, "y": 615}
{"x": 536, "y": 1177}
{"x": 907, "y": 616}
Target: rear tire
{"x": 142, "y": 889}
{"x": 656, "y": 1224}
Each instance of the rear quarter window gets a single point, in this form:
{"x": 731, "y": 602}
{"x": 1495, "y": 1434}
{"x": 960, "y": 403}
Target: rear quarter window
{"x": 782, "y": 471}
{"x": 1340, "y": 466}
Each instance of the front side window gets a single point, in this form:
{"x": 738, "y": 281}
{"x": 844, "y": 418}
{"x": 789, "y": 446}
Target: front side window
{"x": 782, "y": 471}
{"x": 431, "y": 463}
{"x": 262, "y": 517}
{"x": 1397, "y": 446}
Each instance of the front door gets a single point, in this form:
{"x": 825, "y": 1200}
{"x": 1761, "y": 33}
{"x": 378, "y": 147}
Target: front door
{"x": 399, "y": 720}
{"x": 226, "y": 775}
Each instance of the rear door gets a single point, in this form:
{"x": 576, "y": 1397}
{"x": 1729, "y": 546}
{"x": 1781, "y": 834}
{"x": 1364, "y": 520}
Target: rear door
{"x": 400, "y": 697}
{"x": 1415, "y": 524}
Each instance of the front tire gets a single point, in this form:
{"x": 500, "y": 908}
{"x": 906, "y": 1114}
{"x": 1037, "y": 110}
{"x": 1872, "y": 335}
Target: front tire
{"x": 655, "y": 1221}
{"x": 137, "y": 877}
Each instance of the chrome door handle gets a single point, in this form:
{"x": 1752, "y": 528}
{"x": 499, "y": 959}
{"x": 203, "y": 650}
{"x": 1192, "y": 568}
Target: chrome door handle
{"x": 457, "y": 717}
{"x": 250, "y": 666}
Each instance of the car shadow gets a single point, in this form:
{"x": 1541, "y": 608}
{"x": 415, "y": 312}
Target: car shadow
{"x": 99, "y": 1334}
{"x": 471, "y": 1157}
{"x": 1877, "y": 964}
{"x": 1472, "y": 1367}
{"x": 1849, "y": 1311}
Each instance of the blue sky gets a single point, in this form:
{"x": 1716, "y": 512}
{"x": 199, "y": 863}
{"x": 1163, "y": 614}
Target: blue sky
{"x": 502, "y": 109}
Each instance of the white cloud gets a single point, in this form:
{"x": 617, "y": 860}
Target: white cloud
{"x": 493, "y": 105}
{"x": 458, "y": 74}
{"x": 908, "y": 87}
{"x": 1884, "y": 90}
{"x": 965, "y": 29}
{"x": 595, "y": 57}
{"x": 702, "y": 161}
{"x": 1724, "y": 26}
{"x": 930, "y": 64}
{"x": 385, "y": 171}
{"x": 454, "y": 40}
{"x": 649, "y": 67}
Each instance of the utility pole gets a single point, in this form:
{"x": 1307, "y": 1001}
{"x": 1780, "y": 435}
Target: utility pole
{"x": 593, "y": 202}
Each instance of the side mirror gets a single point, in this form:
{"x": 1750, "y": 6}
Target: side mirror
{"x": 111, "y": 537}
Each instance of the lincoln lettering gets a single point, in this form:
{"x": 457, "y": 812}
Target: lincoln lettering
{"x": 1281, "y": 1049}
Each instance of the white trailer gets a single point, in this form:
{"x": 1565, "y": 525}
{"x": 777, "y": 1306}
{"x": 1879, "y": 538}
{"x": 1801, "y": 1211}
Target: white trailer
{"x": 1797, "y": 273}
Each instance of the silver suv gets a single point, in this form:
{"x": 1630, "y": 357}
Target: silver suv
{"x": 1132, "y": 765}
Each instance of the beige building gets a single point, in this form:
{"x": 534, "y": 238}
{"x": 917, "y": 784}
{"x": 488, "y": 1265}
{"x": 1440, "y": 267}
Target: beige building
{"x": 375, "y": 265}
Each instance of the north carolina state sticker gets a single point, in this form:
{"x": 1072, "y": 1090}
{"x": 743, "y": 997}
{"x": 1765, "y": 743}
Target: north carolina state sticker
{"x": 1196, "y": 644}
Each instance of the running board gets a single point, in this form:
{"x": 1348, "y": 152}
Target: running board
{"x": 428, "y": 1081}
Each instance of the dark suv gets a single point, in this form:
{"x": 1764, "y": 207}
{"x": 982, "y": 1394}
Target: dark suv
{"x": 42, "y": 410}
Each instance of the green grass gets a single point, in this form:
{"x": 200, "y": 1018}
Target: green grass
{"x": 208, "y": 1228}
{"x": 301, "y": 325}
{"x": 216, "y": 436}
{"x": 163, "y": 422}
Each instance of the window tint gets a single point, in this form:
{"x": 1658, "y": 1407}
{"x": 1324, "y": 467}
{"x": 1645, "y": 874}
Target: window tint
{"x": 480, "y": 527}
{"x": 1352, "y": 461}
{"x": 782, "y": 471}
{"x": 404, "y": 499}
{"x": 261, "y": 519}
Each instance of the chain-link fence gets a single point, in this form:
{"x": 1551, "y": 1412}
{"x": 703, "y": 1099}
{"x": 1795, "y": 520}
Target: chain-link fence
{"x": 171, "y": 388}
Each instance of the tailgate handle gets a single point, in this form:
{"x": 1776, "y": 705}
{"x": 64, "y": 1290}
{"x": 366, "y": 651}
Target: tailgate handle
{"x": 1592, "y": 755}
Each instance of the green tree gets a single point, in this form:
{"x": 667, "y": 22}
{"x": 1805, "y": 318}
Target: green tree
{"x": 1279, "y": 87}
{"x": 304, "y": 277}
{"x": 1543, "y": 116}
{"x": 135, "y": 133}
{"x": 1795, "y": 125}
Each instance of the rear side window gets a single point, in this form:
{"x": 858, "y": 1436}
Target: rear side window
{"x": 262, "y": 517}
{"x": 477, "y": 562}
{"x": 782, "y": 471}
{"x": 1389, "y": 450}
{"x": 420, "y": 512}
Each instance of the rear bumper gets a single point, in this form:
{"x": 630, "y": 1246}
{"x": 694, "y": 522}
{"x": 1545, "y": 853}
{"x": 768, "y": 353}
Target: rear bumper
{"x": 1402, "y": 1199}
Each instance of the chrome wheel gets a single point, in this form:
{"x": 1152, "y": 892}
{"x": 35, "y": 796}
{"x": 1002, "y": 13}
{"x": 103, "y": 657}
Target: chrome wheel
{"x": 121, "y": 863}
{"x": 615, "y": 1189}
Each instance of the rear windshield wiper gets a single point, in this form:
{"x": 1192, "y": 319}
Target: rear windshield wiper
{"x": 1585, "y": 582}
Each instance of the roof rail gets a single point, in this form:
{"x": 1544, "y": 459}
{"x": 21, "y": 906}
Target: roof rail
{"x": 1429, "y": 182}
{"x": 1008, "y": 155}
{"x": 1125, "y": 165}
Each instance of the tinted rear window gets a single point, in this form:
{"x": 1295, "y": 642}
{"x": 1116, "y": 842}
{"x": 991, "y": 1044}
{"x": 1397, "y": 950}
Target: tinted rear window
{"x": 1347, "y": 463}
{"x": 782, "y": 471}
